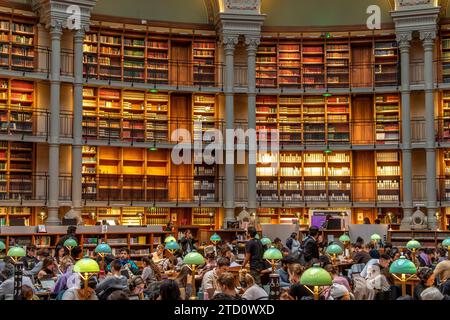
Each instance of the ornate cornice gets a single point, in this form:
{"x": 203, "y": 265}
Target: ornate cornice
{"x": 53, "y": 12}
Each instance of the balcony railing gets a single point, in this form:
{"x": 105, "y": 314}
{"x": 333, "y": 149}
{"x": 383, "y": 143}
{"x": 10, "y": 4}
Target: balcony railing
{"x": 359, "y": 191}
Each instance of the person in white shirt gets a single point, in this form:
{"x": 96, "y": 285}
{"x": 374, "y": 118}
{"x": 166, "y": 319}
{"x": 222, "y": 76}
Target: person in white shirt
{"x": 7, "y": 286}
{"x": 384, "y": 262}
{"x": 251, "y": 290}
{"x": 209, "y": 282}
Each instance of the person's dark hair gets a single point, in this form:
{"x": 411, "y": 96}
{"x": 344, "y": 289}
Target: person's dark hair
{"x": 293, "y": 235}
{"x": 148, "y": 261}
{"x": 27, "y": 292}
{"x": 71, "y": 230}
{"x": 135, "y": 281}
{"x": 124, "y": 249}
{"x": 228, "y": 280}
{"x": 441, "y": 252}
{"x": 313, "y": 231}
{"x": 47, "y": 262}
{"x": 118, "y": 295}
{"x": 359, "y": 240}
{"x": 252, "y": 232}
{"x": 223, "y": 262}
{"x": 116, "y": 265}
{"x": 169, "y": 290}
{"x": 284, "y": 249}
{"x": 358, "y": 245}
{"x": 276, "y": 240}
{"x": 366, "y": 220}
{"x": 429, "y": 251}
{"x": 377, "y": 221}
{"x": 76, "y": 251}
{"x": 330, "y": 269}
{"x": 31, "y": 248}
{"x": 385, "y": 256}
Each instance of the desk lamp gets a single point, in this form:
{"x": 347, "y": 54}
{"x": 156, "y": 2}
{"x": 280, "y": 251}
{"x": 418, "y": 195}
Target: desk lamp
{"x": 102, "y": 250}
{"x": 192, "y": 260}
{"x": 70, "y": 244}
{"x": 86, "y": 268}
{"x": 316, "y": 277}
{"x": 446, "y": 244}
{"x": 334, "y": 250}
{"x": 403, "y": 270}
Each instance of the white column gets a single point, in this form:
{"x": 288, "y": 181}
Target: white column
{"x": 77, "y": 155}
{"x": 53, "y": 145}
{"x": 229, "y": 42}
{"x": 404, "y": 39}
{"x": 252, "y": 43}
{"x": 428, "y": 39}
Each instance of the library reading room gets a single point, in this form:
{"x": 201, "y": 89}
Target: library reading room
{"x": 224, "y": 150}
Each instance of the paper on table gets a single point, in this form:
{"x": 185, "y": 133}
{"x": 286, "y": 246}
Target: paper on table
{"x": 234, "y": 264}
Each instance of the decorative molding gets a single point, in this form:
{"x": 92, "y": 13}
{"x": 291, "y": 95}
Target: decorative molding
{"x": 229, "y": 41}
{"x": 252, "y": 42}
{"x": 428, "y": 36}
{"x": 243, "y": 4}
{"x": 404, "y": 39}
{"x": 53, "y": 12}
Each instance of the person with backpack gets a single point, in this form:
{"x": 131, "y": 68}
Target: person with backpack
{"x": 116, "y": 281}
{"x": 293, "y": 245}
{"x": 254, "y": 255}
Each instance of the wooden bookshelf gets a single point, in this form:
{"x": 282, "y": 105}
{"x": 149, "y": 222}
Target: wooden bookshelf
{"x": 338, "y": 119}
{"x": 144, "y": 56}
{"x": 290, "y": 176}
{"x": 158, "y": 60}
{"x": 17, "y": 44}
{"x": 204, "y": 217}
{"x": 339, "y": 176}
{"x": 266, "y": 117}
{"x": 290, "y": 119}
{"x": 267, "y": 176}
{"x": 128, "y": 115}
{"x": 445, "y": 56}
{"x": 313, "y": 62}
{"x": 8, "y": 214}
{"x": 281, "y": 216}
{"x": 338, "y": 62}
{"x": 388, "y": 176}
{"x": 386, "y": 63}
{"x": 267, "y": 215}
{"x": 314, "y": 112}
{"x": 445, "y": 115}
{"x": 426, "y": 238}
{"x": 446, "y": 174}
{"x": 125, "y": 173}
{"x": 204, "y": 53}
{"x": 205, "y": 168}
{"x": 266, "y": 65}
{"x": 17, "y": 100}
{"x": 289, "y": 61}
{"x": 387, "y": 118}
{"x": 16, "y": 167}
{"x": 315, "y": 177}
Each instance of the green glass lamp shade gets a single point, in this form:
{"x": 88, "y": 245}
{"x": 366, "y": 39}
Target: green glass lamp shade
{"x": 403, "y": 266}
{"x": 2, "y": 245}
{"x": 86, "y": 265}
{"x": 446, "y": 243}
{"x": 215, "y": 238}
{"x": 194, "y": 258}
{"x": 273, "y": 254}
{"x": 375, "y": 237}
{"x": 170, "y": 239}
{"x": 334, "y": 249}
{"x": 413, "y": 244}
{"x": 266, "y": 241}
{"x": 172, "y": 245}
{"x": 16, "y": 252}
{"x": 316, "y": 276}
{"x": 257, "y": 236}
{"x": 70, "y": 243}
{"x": 344, "y": 238}
{"x": 103, "y": 248}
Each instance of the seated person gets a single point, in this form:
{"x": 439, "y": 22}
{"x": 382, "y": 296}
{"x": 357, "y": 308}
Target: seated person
{"x": 76, "y": 293}
{"x": 151, "y": 272}
{"x": 283, "y": 272}
{"x": 209, "y": 281}
{"x": 30, "y": 260}
{"x": 114, "y": 281}
{"x": 251, "y": 290}
{"x": 137, "y": 286}
{"x": 227, "y": 286}
{"x": 48, "y": 270}
{"x": 7, "y": 286}
{"x": 158, "y": 255}
{"x": 125, "y": 261}
{"x": 361, "y": 254}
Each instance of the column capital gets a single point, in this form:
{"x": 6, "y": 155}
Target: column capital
{"x": 229, "y": 41}
{"x": 56, "y": 28}
{"x": 252, "y": 42}
{"x": 428, "y": 37}
{"x": 404, "y": 39}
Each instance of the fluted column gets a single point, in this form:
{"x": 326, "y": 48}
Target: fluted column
{"x": 428, "y": 40}
{"x": 53, "y": 145}
{"x": 77, "y": 155}
{"x": 229, "y": 44}
{"x": 404, "y": 41}
{"x": 252, "y": 43}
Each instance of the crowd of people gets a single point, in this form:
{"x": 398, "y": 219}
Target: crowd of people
{"x": 163, "y": 276}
